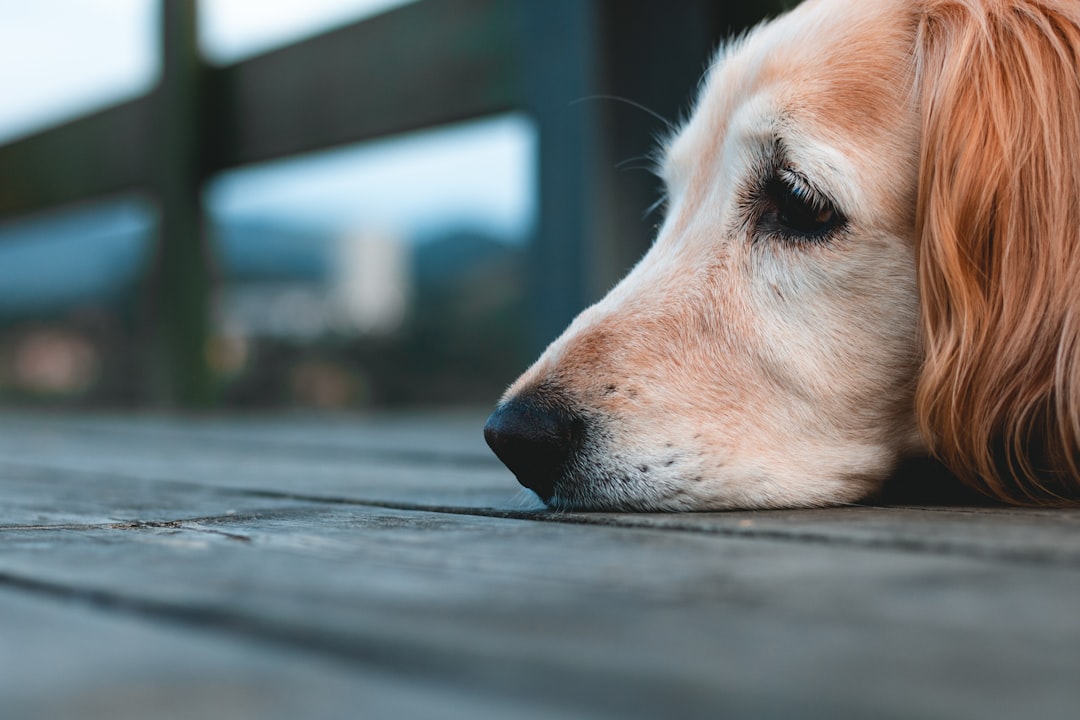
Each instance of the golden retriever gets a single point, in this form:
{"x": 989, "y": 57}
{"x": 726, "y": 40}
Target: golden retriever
{"x": 871, "y": 251}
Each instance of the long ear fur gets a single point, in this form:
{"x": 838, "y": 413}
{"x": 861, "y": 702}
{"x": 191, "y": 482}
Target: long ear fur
{"x": 998, "y": 243}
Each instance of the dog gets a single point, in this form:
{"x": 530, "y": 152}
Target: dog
{"x": 871, "y": 252}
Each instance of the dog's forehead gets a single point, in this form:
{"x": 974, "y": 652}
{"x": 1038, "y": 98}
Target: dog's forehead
{"x": 838, "y": 71}
{"x": 833, "y": 79}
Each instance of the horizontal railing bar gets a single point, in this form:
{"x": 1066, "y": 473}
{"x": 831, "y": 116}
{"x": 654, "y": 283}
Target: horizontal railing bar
{"x": 98, "y": 154}
{"x": 422, "y": 65}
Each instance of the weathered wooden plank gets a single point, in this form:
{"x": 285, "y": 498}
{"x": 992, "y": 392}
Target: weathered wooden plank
{"x": 448, "y": 436}
{"x": 66, "y": 659}
{"x": 248, "y": 470}
{"x": 371, "y": 462}
{"x": 336, "y": 468}
{"x": 884, "y": 612}
{"x": 45, "y": 498}
{"x": 605, "y": 621}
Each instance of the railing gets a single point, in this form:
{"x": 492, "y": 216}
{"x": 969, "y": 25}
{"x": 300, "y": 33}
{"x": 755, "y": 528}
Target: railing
{"x": 422, "y": 65}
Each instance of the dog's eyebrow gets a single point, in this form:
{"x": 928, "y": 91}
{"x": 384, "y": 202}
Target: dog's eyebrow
{"x": 816, "y": 163}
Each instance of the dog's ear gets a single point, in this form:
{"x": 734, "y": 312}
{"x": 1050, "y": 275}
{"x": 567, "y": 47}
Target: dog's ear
{"x": 998, "y": 243}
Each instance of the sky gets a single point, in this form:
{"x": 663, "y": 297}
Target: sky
{"x": 63, "y": 58}
{"x": 60, "y": 58}
{"x": 235, "y": 29}
{"x": 474, "y": 174}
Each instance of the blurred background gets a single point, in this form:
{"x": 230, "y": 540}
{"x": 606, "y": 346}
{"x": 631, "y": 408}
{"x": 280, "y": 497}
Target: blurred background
{"x": 334, "y": 204}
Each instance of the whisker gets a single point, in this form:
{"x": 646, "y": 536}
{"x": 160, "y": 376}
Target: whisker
{"x": 648, "y": 157}
{"x": 646, "y": 168}
{"x": 660, "y": 201}
{"x": 526, "y": 500}
{"x": 667, "y": 123}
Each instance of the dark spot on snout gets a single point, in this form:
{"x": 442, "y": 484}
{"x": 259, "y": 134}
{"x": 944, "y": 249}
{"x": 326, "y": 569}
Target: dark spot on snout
{"x": 535, "y": 436}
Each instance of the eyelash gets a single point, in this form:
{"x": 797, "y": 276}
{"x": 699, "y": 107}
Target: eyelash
{"x": 769, "y": 221}
{"x": 806, "y": 193}
{"x": 792, "y": 210}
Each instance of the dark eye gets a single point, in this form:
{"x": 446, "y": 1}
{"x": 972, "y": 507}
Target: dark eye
{"x": 796, "y": 210}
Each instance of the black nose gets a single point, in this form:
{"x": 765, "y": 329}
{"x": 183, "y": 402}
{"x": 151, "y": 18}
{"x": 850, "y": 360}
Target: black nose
{"x": 535, "y": 440}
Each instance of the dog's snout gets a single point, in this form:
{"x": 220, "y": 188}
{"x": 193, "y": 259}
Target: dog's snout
{"x": 534, "y": 440}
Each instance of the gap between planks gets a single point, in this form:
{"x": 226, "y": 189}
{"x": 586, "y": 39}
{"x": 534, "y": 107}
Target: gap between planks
{"x": 684, "y": 523}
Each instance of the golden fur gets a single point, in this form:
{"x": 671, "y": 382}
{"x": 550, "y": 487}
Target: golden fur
{"x": 746, "y": 364}
{"x": 998, "y": 230}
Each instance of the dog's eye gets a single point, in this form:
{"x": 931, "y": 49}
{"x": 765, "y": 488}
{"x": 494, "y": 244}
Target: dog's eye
{"x": 796, "y": 210}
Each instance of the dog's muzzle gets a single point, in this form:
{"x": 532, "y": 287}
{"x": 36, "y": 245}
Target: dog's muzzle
{"x": 536, "y": 439}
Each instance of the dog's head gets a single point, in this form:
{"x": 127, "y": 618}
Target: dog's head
{"x": 871, "y": 250}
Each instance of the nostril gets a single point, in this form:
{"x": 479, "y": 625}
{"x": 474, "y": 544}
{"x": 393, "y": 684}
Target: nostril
{"x": 534, "y": 440}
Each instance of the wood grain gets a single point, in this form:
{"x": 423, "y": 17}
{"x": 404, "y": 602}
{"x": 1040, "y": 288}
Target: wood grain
{"x": 326, "y": 562}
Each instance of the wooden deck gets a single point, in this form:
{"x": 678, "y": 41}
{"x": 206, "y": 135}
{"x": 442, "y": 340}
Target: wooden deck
{"x": 390, "y": 568}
